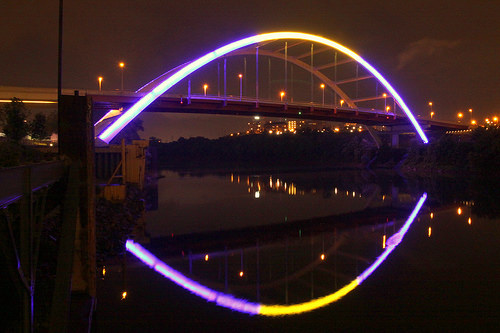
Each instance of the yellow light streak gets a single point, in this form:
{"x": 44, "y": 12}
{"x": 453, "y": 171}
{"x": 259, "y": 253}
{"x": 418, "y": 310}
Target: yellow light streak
{"x": 29, "y": 101}
{"x": 281, "y": 310}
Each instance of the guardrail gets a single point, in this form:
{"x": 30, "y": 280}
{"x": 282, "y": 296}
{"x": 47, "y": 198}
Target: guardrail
{"x": 15, "y": 181}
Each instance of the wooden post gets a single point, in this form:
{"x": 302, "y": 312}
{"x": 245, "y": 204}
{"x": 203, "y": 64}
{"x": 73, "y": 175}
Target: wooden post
{"x": 76, "y": 143}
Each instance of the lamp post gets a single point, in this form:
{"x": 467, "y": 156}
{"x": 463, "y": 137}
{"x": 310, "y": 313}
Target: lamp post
{"x": 122, "y": 66}
{"x": 387, "y": 108}
{"x": 470, "y": 111}
{"x": 99, "y": 79}
{"x": 282, "y": 94}
{"x": 241, "y": 84}
{"x": 341, "y": 102}
{"x": 460, "y": 115}
{"x": 431, "y": 111}
{"x": 385, "y": 100}
{"x": 322, "y": 86}
{"x": 205, "y": 87}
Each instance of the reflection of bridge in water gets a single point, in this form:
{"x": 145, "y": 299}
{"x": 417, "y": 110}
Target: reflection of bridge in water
{"x": 286, "y": 263}
{"x": 232, "y": 267}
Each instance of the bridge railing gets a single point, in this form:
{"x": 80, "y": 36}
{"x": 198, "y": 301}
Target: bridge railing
{"x": 15, "y": 180}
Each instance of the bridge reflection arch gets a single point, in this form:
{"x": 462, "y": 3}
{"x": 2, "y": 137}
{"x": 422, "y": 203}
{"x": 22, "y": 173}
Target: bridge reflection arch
{"x": 184, "y": 70}
{"x": 253, "y": 308}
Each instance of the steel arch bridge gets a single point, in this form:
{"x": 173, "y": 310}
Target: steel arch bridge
{"x": 345, "y": 78}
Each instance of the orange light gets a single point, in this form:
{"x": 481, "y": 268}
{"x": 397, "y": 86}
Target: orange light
{"x": 322, "y": 86}
{"x": 342, "y": 102}
{"x": 459, "y": 211}
{"x": 432, "y": 215}
{"x": 469, "y": 221}
{"x": 121, "y": 64}
{"x": 430, "y": 103}
{"x": 241, "y": 273}
{"x": 206, "y": 257}
{"x": 240, "y": 75}
{"x": 495, "y": 119}
{"x": 429, "y": 232}
{"x": 460, "y": 115}
{"x": 322, "y": 256}
{"x": 383, "y": 241}
{"x": 124, "y": 295}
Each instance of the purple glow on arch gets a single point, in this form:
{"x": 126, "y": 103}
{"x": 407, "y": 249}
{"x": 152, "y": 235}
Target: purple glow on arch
{"x": 109, "y": 133}
{"x": 394, "y": 241}
{"x": 210, "y": 295}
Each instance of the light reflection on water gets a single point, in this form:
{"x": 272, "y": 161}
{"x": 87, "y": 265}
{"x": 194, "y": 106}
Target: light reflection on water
{"x": 447, "y": 246}
{"x": 190, "y": 204}
{"x": 301, "y": 258}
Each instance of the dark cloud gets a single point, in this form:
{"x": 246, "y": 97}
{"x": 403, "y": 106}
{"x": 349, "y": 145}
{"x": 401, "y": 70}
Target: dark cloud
{"x": 425, "y": 48}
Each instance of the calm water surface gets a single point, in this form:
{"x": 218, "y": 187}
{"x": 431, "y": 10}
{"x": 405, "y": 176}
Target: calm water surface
{"x": 292, "y": 238}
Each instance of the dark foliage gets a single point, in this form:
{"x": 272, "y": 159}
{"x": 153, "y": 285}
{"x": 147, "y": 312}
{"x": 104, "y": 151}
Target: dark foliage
{"x": 38, "y": 127}
{"x": 311, "y": 149}
{"x": 14, "y": 123}
{"x": 477, "y": 153}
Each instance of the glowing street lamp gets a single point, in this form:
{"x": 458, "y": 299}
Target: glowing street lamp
{"x": 122, "y": 66}
{"x": 205, "y": 87}
{"x": 432, "y": 114}
{"x": 282, "y": 94}
{"x": 322, "y": 86}
{"x": 385, "y": 100}
{"x": 470, "y": 111}
{"x": 495, "y": 119}
{"x": 387, "y": 108}
{"x": 341, "y": 102}
{"x": 460, "y": 115}
{"x": 99, "y": 79}
{"x": 241, "y": 84}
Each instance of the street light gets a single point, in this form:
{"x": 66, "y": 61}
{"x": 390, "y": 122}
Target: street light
{"x": 322, "y": 86}
{"x": 387, "y": 108}
{"x": 432, "y": 114}
{"x": 341, "y": 102}
{"x": 385, "y": 100}
{"x": 205, "y": 87}
{"x": 470, "y": 111}
{"x": 241, "y": 84}
{"x": 282, "y": 94}
{"x": 460, "y": 115}
{"x": 122, "y": 66}
{"x": 99, "y": 79}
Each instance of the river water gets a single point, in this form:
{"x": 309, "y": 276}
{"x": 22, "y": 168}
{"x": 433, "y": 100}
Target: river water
{"x": 322, "y": 250}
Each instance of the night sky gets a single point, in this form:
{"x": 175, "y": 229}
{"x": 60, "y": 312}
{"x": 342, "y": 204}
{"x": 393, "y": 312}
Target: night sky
{"x": 441, "y": 51}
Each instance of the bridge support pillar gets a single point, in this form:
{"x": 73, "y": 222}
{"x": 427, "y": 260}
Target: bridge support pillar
{"x": 395, "y": 139}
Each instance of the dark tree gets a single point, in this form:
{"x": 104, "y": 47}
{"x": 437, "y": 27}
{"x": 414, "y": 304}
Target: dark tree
{"x": 14, "y": 123}
{"x": 38, "y": 127}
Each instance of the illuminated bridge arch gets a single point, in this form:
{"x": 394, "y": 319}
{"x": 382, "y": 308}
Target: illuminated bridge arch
{"x": 168, "y": 80}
